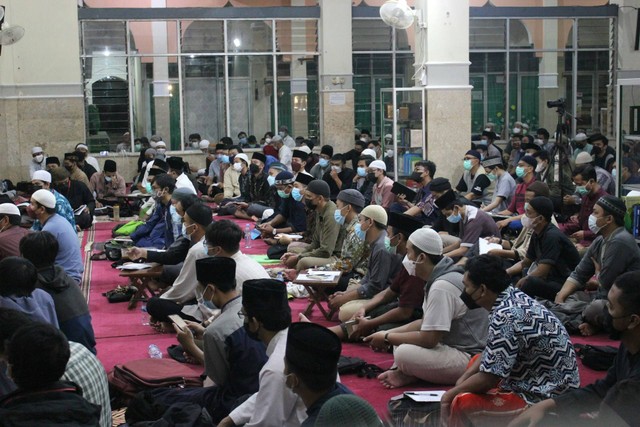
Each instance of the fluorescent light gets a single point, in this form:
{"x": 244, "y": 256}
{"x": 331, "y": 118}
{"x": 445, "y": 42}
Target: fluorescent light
{"x": 236, "y": 42}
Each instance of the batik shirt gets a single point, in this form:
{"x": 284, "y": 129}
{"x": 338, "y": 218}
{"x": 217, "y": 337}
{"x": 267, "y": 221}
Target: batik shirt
{"x": 529, "y": 349}
{"x": 355, "y": 251}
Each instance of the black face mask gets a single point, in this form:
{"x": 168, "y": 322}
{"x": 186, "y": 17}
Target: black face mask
{"x": 468, "y": 300}
{"x": 253, "y": 335}
{"x": 416, "y": 176}
{"x": 371, "y": 177}
{"x": 254, "y": 169}
{"x": 614, "y": 334}
{"x": 310, "y": 205}
{"x": 596, "y": 150}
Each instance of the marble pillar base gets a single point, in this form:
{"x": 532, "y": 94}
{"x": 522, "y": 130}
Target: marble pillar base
{"x": 338, "y": 118}
{"x": 55, "y": 124}
{"x": 448, "y": 130}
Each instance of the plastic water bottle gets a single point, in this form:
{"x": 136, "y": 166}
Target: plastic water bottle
{"x": 154, "y": 352}
{"x": 280, "y": 277}
{"x": 145, "y": 315}
{"x": 247, "y": 236}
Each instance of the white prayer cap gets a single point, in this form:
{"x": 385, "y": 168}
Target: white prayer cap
{"x": 161, "y": 144}
{"x": 378, "y": 164}
{"x": 45, "y": 198}
{"x": 583, "y": 157}
{"x": 35, "y": 150}
{"x": 427, "y": 240}
{"x": 9, "y": 209}
{"x": 368, "y": 152}
{"x": 82, "y": 146}
{"x": 305, "y": 148}
{"x": 42, "y": 175}
{"x": 243, "y": 157}
{"x": 580, "y": 137}
{"x": 203, "y": 144}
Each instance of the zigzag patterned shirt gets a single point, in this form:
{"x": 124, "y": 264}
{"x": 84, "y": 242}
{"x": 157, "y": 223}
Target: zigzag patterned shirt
{"x": 529, "y": 349}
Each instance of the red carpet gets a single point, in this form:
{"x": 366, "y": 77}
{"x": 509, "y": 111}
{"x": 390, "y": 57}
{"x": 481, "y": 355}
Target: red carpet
{"x": 121, "y": 336}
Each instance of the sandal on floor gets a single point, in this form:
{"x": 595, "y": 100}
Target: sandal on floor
{"x": 370, "y": 371}
{"x": 98, "y": 256}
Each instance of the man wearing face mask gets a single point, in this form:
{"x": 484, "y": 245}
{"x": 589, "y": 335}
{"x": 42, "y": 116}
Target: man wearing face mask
{"x": 157, "y": 231}
{"x": 297, "y": 193}
{"x": 398, "y": 304}
{"x": 107, "y": 184}
{"x": 423, "y": 206}
{"x": 515, "y": 154}
{"x": 42, "y": 180}
{"x": 612, "y": 253}
{"x": 183, "y": 290}
{"x": 438, "y": 347}
{"x": 551, "y": 256}
{"x": 473, "y": 222}
{"x": 525, "y": 171}
{"x": 324, "y": 163}
{"x": 260, "y": 197}
{"x": 492, "y": 150}
{"x": 474, "y": 184}
{"x": 290, "y": 216}
{"x": 242, "y": 139}
{"x": 10, "y": 231}
{"x": 623, "y": 309}
{"x": 604, "y": 154}
{"x": 230, "y": 360}
{"x": 267, "y": 317}
{"x": 38, "y": 160}
{"x": 283, "y": 132}
{"x": 161, "y": 150}
{"x": 326, "y": 241}
{"x": 299, "y": 162}
{"x": 547, "y": 172}
{"x": 215, "y": 176}
{"x": 382, "y": 266}
{"x": 77, "y": 194}
{"x": 284, "y": 153}
{"x": 529, "y": 356}
{"x": 581, "y": 145}
{"x": 239, "y": 171}
{"x": 362, "y": 180}
{"x": 381, "y": 193}
{"x": 71, "y": 161}
{"x": 311, "y": 367}
{"x": 339, "y": 177}
{"x": 504, "y": 191}
{"x": 605, "y": 179}
{"x": 590, "y": 192}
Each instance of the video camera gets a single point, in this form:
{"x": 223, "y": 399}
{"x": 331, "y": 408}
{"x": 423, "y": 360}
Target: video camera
{"x": 558, "y": 103}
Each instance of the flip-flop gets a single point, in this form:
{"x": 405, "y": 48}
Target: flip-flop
{"x": 98, "y": 256}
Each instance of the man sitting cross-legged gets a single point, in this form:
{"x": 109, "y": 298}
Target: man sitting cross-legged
{"x": 529, "y": 356}
{"x": 438, "y": 347}
{"x": 231, "y": 359}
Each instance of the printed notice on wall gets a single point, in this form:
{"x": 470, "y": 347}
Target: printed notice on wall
{"x": 337, "y": 98}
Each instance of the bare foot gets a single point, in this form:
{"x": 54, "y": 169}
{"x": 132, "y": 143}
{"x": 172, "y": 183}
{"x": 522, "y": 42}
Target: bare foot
{"x": 303, "y": 318}
{"x": 586, "y": 329}
{"x": 393, "y": 378}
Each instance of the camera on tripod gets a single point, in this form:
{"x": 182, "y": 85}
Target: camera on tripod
{"x": 558, "y": 103}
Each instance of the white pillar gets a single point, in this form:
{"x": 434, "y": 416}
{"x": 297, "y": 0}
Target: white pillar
{"x": 446, "y": 60}
{"x": 336, "y": 75}
{"x": 161, "y": 92}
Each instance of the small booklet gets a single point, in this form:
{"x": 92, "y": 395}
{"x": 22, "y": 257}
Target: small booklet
{"x": 425, "y": 396}
{"x": 485, "y": 246}
{"x": 399, "y": 189}
{"x": 132, "y": 266}
{"x": 79, "y": 210}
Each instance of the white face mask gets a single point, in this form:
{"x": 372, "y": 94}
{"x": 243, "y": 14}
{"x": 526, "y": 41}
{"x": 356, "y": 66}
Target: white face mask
{"x": 389, "y": 153}
{"x": 39, "y": 158}
{"x": 237, "y": 167}
{"x": 541, "y": 167}
{"x": 161, "y": 150}
{"x": 153, "y": 144}
{"x": 593, "y": 224}
{"x": 528, "y": 223}
{"x": 517, "y": 130}
{"x": 267, "y": 140}
{"x": 338, "y": 169}
{"x": 409, "y": 265}
{"x": 538, "y": 141}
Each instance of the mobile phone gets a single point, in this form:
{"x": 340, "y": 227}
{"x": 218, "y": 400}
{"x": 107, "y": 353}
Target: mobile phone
{"x": 178, "y": 321}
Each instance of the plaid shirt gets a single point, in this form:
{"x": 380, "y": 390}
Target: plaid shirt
{"x": 85, "y": 370}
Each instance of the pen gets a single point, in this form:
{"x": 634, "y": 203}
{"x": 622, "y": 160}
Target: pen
{"x": 422, "y": 393}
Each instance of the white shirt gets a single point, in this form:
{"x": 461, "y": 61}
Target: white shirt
{"x": 285, "y": 154}
{"x": 274, "y": 405}
{"x": 289, "y": 141}
{"x": 93, "y": 162}
{"x": 145, "y": 177}
{"x": 184, "y": 287}
{"x": 247, "y": 268}
{"x": 183, "y": 181}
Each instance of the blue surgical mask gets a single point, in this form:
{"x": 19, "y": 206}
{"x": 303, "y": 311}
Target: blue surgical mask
{"x": 614, "y": 173}
{"x": 296, "y": 194}
{"x": 225, "y": 159}
{"x": 147, "y": 188}
{"x": 361, "y": 234}
{"x": 526, "y": 206}
{"x": 137, "y": 147}
{"x": 362, "y": 172}
{"x": 581, "y": 190}
{"x": 323, "y": 163}
{"x": 281, "y": 134}
{"x": 185, "y": 233}
{"x": 282, "y": 194}
{"x": 491, "y": 176}
{"x": 454, "y": 218}
{"x": 205, "y": 250}
{"x": 520, "y": 171}
{"x": 271, "y": 180}
{"x": 243, "y": 141}
{"x": 466, "y": 164}
{"x": 337, "y": 215}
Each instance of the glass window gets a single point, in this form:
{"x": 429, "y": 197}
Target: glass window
{"x": 297, "y": 36}
{"x": 249, "y": 36}
{"x": 153, "y": 37}
{"x": 593, "y": 33}
{"x": 104, "y": 38}
{"x": 202, "y": 36}
{"x": 487, "y": 33}
{"x": 370, "y": 35}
